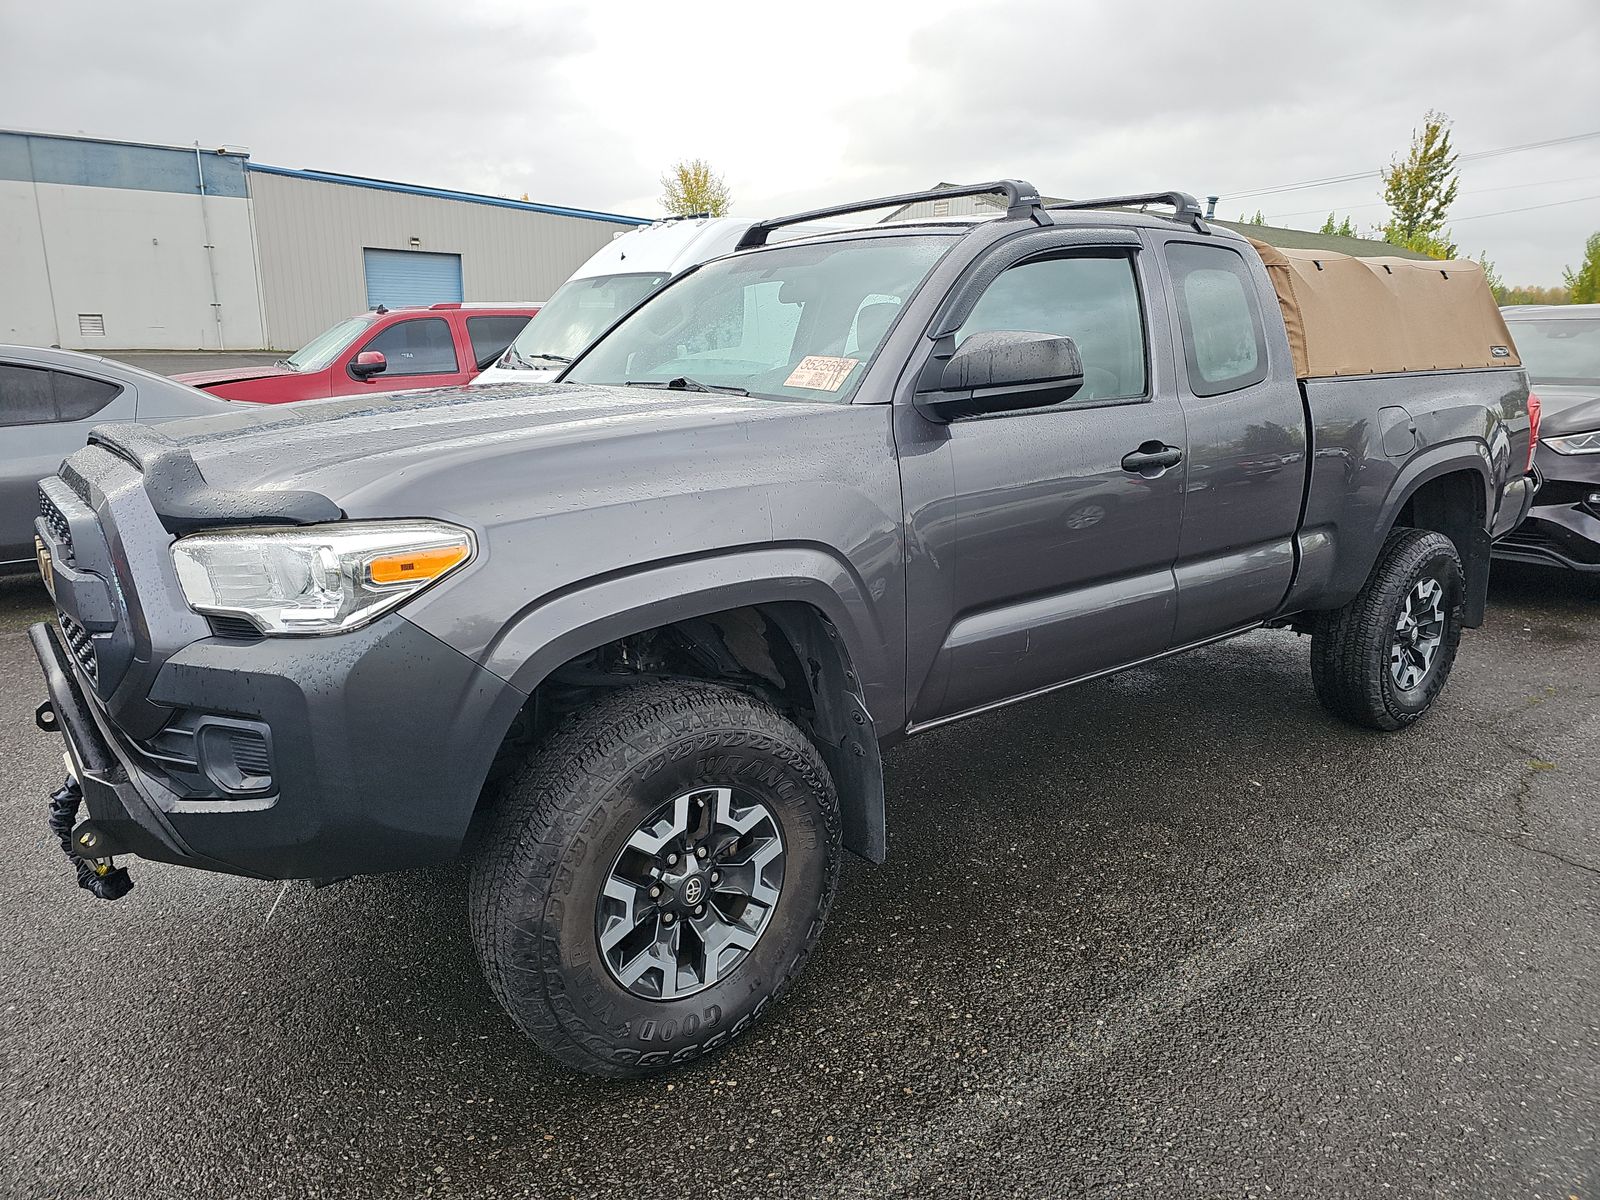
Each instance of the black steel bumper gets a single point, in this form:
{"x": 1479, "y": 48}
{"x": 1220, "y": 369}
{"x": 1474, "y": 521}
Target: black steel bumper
{"x": 380, "y": 741}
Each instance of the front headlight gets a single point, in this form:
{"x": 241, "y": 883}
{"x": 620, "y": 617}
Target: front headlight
{"x": 1576, "y": 443}
{"x": 316, "y": 579}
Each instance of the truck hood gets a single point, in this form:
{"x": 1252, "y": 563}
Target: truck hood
{"x": 368, "y": 451}
{"x": 203, "y": 379}
{"x": 1568, "y": 408}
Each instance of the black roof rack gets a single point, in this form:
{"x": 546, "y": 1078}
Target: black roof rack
{"x": 1022, "y": 200}
{"x": 1185, "y": 207}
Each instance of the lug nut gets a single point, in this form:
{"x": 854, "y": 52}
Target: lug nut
{"x": 672, "y": 860}
{"x": 699, "y": 851}
{"x": 700, "y": 910}
{"x": 655, "y": 891}
{"x": 667, "y": 919}
{"x": 716, "y": 877}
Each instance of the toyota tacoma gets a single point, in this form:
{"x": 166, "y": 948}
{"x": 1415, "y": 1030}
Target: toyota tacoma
{"x": 633, "y": 640}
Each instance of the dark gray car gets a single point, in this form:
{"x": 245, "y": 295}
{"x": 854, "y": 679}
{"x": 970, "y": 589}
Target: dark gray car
{"x": 49, "y": 400}
{"x": 1560, "y": 346}
{"x": 633, "y": 640}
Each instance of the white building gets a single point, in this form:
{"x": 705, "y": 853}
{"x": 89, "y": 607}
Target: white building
{"x": 128, "y": 246}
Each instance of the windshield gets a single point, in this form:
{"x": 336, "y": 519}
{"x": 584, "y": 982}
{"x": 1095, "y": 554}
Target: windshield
{"x": 797, "y": 321}
{"x": 327, "y": 345}
{"x": 580, "y": 311}
{"x": 1559, "y": 350}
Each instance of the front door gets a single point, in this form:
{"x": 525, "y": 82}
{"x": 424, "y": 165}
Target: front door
{"x": 1051, "y": 555}
{"x": 418, "y": 352}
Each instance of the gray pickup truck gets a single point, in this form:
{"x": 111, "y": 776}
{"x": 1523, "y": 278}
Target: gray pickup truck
{"x": 633, "y": 640}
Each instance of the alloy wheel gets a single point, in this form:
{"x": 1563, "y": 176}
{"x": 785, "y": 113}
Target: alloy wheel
{"x": 690, "y": 893}
{"x": 1418, "y": 633}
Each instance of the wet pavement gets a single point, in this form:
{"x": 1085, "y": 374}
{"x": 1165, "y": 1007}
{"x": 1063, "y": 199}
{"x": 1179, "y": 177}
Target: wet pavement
{"x": 1175, "y": 932}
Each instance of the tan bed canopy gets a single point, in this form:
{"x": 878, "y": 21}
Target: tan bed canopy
{"x": 1363, "y": 316}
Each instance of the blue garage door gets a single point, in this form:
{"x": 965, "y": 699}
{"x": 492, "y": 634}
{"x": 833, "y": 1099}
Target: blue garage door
{"x": 396, "y": 277}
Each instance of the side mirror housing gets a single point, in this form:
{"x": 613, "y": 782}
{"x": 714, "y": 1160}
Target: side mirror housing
{"x": 1001, "y": 371}
{"x": 369, "y": 363}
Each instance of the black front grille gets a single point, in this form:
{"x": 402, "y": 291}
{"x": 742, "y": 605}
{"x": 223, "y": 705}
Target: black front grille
{"x": 81, "y": 646}
{"x": 57, "y": 521}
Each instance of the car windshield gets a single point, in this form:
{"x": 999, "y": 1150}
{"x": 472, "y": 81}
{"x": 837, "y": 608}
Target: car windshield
{"x": 327, "y": 345}
{"x": 795, "y": 321}
{"x": 580, "y": 311}
{"x": 1560, "y": 349}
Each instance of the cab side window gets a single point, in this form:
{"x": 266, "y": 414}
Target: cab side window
{"x": 491, "y": 335}
{"x": 1224, "y": 344}
{"x": 418, "y": 347}
{"x": 1091, "y": 298}
{"x": 33, "y": 396}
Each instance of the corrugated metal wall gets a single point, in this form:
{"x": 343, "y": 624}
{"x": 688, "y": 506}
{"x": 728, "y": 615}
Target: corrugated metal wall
{"x": 310, "y": 236}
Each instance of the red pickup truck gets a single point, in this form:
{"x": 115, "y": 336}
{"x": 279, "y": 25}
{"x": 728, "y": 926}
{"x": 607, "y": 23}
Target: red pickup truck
{"x": 388, "y": 350}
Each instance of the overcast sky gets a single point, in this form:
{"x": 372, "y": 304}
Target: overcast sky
{"x": 797, "y": 104}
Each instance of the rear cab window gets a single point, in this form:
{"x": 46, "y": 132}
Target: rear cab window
{"x": 1219, "y": 320}
{"x": 490, "y": 336}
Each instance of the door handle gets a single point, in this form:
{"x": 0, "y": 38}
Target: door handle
{"x": 1151, "y": 459}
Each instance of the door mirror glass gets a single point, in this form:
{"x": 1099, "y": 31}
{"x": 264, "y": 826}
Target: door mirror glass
{"x": 1002, "y": 371}
{"x": 369, "y": 363}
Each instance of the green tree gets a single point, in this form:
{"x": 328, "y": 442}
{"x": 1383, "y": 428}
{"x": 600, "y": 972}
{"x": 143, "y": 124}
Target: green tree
{"x": 1259, "y": 219}
{"x": 1536, "y": 295}
{"x": 1584, "y": 283}
{"x": 1420, "y": 188}
{"x": 1496, "y": 284}
{"x": 690, "y": 186}
{"x": 1344, "y": 228}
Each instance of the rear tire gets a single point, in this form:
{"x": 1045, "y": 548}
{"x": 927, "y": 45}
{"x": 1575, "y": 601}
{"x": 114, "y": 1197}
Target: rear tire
{"x": 611, "y": 977}
{"x": 1381, "y": 660}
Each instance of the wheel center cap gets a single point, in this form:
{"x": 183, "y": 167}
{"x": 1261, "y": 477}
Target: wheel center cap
{"x": 694, "y": 890}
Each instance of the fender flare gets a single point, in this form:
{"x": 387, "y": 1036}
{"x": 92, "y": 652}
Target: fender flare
{"x": 1447, "y": 459}
{"x": 563, "y": 625}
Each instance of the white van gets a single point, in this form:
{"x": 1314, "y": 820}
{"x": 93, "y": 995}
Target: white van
{"x": 617, "y": 277}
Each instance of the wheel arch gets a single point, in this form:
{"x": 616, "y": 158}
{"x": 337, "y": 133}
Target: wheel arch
{"x": 792, "y": 623}
{"x": 1453, "y": 496}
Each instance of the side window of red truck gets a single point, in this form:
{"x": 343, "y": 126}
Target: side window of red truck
{"x": 421, "y": 346}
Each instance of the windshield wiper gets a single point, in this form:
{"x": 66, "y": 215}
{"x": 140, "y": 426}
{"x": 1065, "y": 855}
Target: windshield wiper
{"x": 684, "y": 384}
{"x": 526, "y": 360}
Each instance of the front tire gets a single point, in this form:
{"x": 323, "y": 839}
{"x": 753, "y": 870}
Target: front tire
{"x": 654, "y": 876}
{"x": 1381, "y": 660}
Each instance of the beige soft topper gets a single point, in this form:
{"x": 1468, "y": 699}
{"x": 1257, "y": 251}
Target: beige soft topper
{"x": 1365, "y": 316}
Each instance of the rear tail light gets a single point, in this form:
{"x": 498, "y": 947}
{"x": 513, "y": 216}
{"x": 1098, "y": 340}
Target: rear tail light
{"x": 1535, "y": 412}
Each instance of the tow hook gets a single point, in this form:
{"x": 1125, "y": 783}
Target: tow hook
{"x": 98, "y": 876}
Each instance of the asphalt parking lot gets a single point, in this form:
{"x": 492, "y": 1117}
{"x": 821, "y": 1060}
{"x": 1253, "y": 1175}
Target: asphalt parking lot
{"x": 1175, "y": 932}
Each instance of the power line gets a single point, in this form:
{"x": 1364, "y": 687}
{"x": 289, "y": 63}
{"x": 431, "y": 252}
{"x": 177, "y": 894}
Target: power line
{"x": 1509, "y": 187}
{"x": 1532, "y": 207}
{"x": 1481, "y": 154}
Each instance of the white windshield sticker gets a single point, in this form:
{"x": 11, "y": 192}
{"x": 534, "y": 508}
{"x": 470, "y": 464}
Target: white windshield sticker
{"x": 821, "y": 373}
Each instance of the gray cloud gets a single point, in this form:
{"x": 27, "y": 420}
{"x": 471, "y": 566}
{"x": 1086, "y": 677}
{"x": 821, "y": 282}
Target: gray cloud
{"x": 585, "y": 104}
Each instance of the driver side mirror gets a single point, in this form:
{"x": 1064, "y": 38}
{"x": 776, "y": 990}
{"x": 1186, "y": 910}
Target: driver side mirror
{"x": 369, "y": 363}
{"x": 1001, "y": 371}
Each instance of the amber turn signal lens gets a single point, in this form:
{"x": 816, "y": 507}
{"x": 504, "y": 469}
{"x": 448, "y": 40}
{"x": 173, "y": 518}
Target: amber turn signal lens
{"x": 415, "y": 566}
